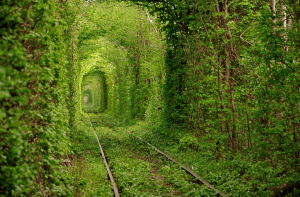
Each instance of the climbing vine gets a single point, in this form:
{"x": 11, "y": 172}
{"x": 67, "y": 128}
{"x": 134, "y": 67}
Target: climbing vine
{"x": 225, "y": 72}
{"x": 33, "y": 106}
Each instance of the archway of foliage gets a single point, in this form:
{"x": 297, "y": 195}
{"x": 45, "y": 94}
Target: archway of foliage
{"x": 231, "y": 76}
{"x": 118, "y": 40}
{"x": 228, "y": 71}
{"x": 87, "y": 96}
{"x": 93, "y": 84}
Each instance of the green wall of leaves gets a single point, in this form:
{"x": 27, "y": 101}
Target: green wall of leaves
{"x": 228, "y": 71}
{"x": 33, "y": 113}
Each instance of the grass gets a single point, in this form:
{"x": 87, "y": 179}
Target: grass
{"x": 87, "y": 169}
{"x": 141, "y": 171}
{"x": 137, "y": 168}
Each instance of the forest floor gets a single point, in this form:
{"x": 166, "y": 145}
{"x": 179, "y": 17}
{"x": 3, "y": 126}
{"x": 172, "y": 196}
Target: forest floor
{"x": 140, "y": 171}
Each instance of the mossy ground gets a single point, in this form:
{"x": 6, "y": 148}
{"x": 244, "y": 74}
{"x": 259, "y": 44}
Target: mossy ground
{"x": 137, "y": 168}
{"x": 140, "y": 171}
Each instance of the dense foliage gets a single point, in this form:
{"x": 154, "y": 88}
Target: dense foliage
{"x": 118, "y": 41}
{"x": 220, "y": 78}
{"x": 232, "y": 76}
{"x": 93, "y": 88}
{"x": 33, "y": 107}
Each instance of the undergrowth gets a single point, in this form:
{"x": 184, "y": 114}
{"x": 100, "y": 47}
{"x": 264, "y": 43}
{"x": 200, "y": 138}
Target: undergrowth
{"x": 87, "y": 170}
{"x": 234, "y": 174}
{"x": 140, "y": 171}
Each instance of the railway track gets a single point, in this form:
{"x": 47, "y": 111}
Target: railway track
{"x": 188, "y": 170}
{"x": 115, "y": 187}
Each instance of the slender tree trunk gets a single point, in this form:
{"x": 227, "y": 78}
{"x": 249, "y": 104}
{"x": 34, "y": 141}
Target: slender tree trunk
{"x": 283, "y": 20}
{"x": 296, "y": 6}
{"x": 229, "y": 81}
{"x": 273, "y": 10}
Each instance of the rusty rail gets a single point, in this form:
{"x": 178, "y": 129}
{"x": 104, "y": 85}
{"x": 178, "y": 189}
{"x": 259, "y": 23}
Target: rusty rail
{"x": 191, "y": 172}
{"x": 115, "y": 188}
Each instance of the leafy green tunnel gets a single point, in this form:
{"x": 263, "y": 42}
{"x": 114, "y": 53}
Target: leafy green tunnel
{"x": 93, "y": 93}
{"x": 214, "y": 76}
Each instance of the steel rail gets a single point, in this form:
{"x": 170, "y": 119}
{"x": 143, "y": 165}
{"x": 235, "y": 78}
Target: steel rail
{"x": 191, "y": 172}
{"x": 116, "y": 191}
